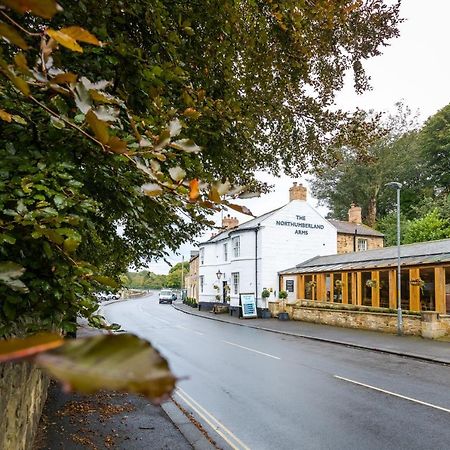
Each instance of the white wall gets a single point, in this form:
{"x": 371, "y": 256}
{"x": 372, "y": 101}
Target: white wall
{"x": 291, "y": 235}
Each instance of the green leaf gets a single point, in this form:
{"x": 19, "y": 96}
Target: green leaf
{"x": 120, "y": 362}
{"x": 107, "y": 281}
{"x": 7, "y": 238}
{"x": 70, "y": 245}
{"x": 9, "y": 274}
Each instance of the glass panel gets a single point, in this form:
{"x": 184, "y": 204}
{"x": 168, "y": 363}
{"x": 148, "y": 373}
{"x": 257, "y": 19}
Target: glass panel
{"x": 337, "y": 293}
{"x": 327, "y": 286}
{"x": 351, "y": 300}
{"x": 427, "y": 302}
{"x": 447, "y": 288}
{"x": 308, "y": 287}
{"x": 384, "y": 289}
{"x": 366, "y": 299}
{"x": 405, "y": 288}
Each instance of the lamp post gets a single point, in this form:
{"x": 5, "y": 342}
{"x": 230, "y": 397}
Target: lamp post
{"x": 219, "y": 276}
{"x": 398, "y": 186}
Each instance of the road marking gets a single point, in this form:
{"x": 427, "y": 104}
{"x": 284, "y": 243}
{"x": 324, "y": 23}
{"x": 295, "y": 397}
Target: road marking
{"x": 393, "y": 393}
{"x": 188, "y": 329}
{"x": 251, "y": 350}
{"x": 215, "y": 424}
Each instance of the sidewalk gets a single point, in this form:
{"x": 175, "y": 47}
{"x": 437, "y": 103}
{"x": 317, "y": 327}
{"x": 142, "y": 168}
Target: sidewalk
{"x": 407, "y": 346}
{"x": 113, "y": 420}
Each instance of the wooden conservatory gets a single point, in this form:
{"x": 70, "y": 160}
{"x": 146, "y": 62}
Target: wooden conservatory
{"x": 369, "y": 278}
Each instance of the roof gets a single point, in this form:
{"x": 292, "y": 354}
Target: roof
{"x": 250, "y": 224}
{"x": 350, "y": 228}
{"x": 431, "y": 252}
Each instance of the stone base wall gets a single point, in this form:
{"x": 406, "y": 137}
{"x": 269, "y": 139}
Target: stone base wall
{"x": 383, "y": 322}
{"x": 23, "y": 391}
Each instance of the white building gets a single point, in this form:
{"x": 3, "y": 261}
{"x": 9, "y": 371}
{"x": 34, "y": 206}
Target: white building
{"x": 248, "y": 257}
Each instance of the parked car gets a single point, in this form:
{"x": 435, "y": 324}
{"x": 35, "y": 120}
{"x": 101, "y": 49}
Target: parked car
{"x": 167, "y": 296}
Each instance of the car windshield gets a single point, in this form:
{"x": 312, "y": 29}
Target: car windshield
{"x": 166, "y": 292}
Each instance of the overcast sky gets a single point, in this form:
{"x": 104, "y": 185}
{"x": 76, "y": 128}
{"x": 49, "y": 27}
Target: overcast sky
{"x": 415, "y": 69}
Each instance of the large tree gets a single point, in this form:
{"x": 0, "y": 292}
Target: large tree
{"x": 98, "y": 175}
{"x": 359, "y": 176}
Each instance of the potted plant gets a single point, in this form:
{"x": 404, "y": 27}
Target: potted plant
{"x": 265, "y": 313}
{"x": 310, "y": 285}
{"x": 283, "y": 315}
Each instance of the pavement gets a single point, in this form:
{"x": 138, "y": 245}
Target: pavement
{"x": 113, "y": 420}
{"x": 406, "y": 346}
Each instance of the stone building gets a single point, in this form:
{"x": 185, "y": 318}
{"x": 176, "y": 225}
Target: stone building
{"x": 354, "y": 236}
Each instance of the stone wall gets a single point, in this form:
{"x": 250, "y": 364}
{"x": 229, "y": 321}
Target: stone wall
{"x": 23, "y": 391}
{"x": 384, "y": 322}
{"x": 345, "y": 242}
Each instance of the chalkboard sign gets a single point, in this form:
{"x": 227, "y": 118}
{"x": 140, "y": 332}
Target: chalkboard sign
{"x": 248, "y": 305}
{"x": 290, "y": 285}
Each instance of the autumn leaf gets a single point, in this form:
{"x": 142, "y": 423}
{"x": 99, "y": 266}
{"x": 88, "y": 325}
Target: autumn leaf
{"x": 66, "y": 77}
{"x": 119, "y": 362}
{"x": 64, "y": 39}
{"x": 194, "y": 191}
{"x": 152, "y": 189}
{"x": 99, "y": 127}
{"x": 81, "y": 35}
{"x": 12, "y": 36}
{"x": 11, "y": 349}
{"x": 177, "y": 173}
{"x": 43, "y": 8}
{"x": 117, "y": 145}
{"x": 5, "y": 116}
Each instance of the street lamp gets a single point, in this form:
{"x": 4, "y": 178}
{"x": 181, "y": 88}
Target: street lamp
{"x": 219, "y": 276}
{"x": 398, "y": 186}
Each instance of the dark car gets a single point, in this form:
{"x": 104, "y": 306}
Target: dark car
{"x": 167, "y": 296}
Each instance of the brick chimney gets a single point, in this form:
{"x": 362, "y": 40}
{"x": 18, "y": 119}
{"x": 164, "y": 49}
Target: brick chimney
{"x": 354, "y": 214}
{"x": 229, "y": 222}
{"x": 297, "y": 192}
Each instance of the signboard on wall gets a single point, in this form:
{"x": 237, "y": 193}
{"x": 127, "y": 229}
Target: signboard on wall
{"x": 290, "y": 285}
{"x": 248, "y": 305}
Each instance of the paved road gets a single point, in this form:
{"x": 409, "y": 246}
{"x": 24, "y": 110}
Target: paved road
{"x": 266, "y": 391}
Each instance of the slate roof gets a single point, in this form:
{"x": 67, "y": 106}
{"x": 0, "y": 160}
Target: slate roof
{"x": 244, "y": 226}
{"x": 431, "y": 252}
{"x": 349, "y": 228}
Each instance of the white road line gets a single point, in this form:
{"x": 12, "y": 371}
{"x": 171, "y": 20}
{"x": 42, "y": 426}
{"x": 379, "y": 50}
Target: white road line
{"x": 215, "y": 424}
{"x": 188, "y": 329}
{"x": 393, "y": 393}
{"x": 251, "y": 350}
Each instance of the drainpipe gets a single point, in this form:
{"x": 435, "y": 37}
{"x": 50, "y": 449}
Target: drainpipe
{"x": 354, "y": 240}
{"x": 256, "y": 265}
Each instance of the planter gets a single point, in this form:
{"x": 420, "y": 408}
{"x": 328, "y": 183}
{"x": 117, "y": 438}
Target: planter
{"x": 283, "y": 316}
{"x": 266, "y": 314}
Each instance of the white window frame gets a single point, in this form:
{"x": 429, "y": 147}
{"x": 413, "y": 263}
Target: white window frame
{"x": 225, "y": 252}
{"x": 235, "y": 282}
{"x": 362, "y": 244}
{"x": 236, "y": 246}
{"x": 202, "y": 282}
{"x": 202, "y": 256}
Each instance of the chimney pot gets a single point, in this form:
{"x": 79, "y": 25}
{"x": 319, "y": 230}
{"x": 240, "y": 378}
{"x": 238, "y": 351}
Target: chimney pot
{"x": 297, "y": 192}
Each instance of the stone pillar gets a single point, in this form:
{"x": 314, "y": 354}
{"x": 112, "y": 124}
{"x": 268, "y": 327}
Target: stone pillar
{"x": 432, "y": 327}
{"x": 297, "y": 192}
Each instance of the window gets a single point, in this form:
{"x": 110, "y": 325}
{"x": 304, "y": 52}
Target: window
{"x": 235, "y": 281}
{"x": 236, "y": 246}
{"x": 362, "y": 245}
{"x": 202, "y": 281}
{"x": 202, "y": 256}
{"x": 225, "y": 252}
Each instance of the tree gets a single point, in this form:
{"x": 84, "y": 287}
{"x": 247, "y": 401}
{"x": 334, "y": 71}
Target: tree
{"x": 360, "y": 176}
{"x": 174, "y": 279}
{"x": 427, "y": 228}
{"x": 435, "y": 144}
{"x": 91, "y": 157}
